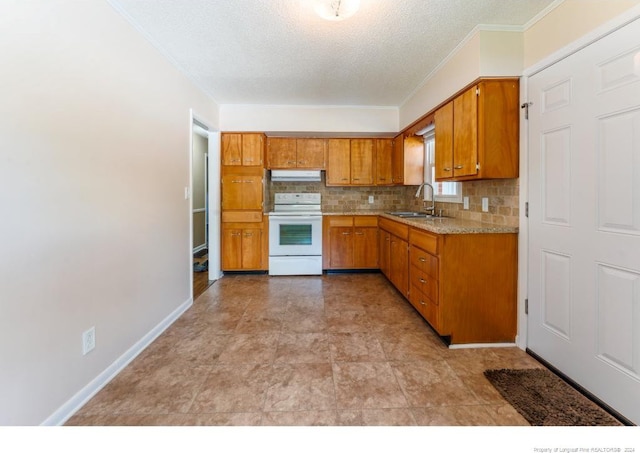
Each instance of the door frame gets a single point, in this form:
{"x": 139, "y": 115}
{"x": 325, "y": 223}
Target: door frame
{"x": 598, "y": 33}
{"x": 213, "y": 197}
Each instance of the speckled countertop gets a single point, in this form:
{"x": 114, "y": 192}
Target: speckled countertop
{"x": 443, "y": 225}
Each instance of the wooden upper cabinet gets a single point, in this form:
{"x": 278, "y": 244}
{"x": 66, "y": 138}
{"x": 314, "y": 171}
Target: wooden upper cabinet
{"x": 302, "y": 153}
{"x": 281, "y": 152}
{"x": 242, "y": 192}
{"x": 242, "y": 149}
{"x": 477, "y": 133}
{"x": 339, "y": 162}
{"x": 397, "y": 160}
{"x": 465, "y": 133}
{"x": 407, "y": 160}
{"x": 311, "y": 153}
{"x": 444, "y": 141}
{"x": 362, "y": 162}
{"x": 383, "y": 159}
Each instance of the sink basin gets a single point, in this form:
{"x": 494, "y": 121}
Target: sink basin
{"x": 410, "y": 214}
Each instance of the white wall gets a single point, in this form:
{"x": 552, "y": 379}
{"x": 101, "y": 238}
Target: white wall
{"x": 94, "y": 156}
{"x": 485, "y": 53}
{"x": 337, "y": 119}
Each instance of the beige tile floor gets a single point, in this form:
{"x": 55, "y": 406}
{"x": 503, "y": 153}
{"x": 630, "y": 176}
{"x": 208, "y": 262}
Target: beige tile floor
{"x": 334, "y": 350}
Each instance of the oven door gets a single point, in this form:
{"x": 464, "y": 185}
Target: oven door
{"x": 295, "y": 235}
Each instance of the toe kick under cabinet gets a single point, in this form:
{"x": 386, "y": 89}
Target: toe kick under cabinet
{"x": 465, "y": 285}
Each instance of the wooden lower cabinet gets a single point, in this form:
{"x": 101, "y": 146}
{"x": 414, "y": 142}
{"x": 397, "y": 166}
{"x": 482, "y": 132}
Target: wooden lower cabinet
{"x": 350, "y": 242}
{"x": 464, "y": 285}
{"x": 244, "y": 246}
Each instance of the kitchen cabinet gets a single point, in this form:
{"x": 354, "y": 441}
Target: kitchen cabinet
{"x": 242, "y": 149}
{"x": 384, "y": 161}
{"x": 477, "y": 133}
{"x": 395, "y": 253}
{"x": 407, "y": 160}
{"x": 350, "y": 242}
{"x": 301, "y": 153}
{"x": 465, "y": 285}
{"x": 350, "y": 162}
{"x": 244, "y": 246}
{"x": 243, "y": 190}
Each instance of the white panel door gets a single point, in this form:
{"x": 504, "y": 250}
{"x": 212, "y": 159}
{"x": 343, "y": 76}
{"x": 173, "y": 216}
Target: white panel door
{"x": 584, "y": 218}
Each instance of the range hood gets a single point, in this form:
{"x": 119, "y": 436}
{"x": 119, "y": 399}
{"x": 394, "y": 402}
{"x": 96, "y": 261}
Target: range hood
{"x": 295, "y": 175}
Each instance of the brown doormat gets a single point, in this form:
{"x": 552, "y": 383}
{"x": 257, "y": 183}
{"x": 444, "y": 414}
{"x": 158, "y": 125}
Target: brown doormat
{"x": 546, "y": 400}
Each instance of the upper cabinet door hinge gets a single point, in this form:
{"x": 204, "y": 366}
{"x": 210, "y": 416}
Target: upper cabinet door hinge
{"x": 526, "y": 306}
{"x": 477, "y": 91}
{"x": 478, "y": 166}
{"x": 526, "y": 209}
{"x": 525, "y": 106}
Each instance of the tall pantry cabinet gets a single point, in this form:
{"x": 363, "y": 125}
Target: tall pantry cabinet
{"x": 244, "y": 227}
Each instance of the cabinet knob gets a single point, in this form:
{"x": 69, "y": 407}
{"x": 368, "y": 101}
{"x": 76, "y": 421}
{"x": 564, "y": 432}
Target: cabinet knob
{"x": 458, "y": 167}
{"x": 446, "y": 169}
{"x": 422, "y": 302}
{"x": 422, "y": 280}
{"x": 422, "y": 260}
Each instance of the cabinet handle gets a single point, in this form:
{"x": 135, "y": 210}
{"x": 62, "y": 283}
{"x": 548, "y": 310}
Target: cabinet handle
{"x": 422, "y": 280}
{"x": 235, "y": 234}
{"x": 236, "y": 181}
{"x": 458, "y": 167}
{"x": 248, "y": 235}
{"x": 359, "y": 233}
{"x": 302, "y": 162}
{"x": 344, "y": 179}
{"x": 356, "y": 179}
{"x": 422, "y": 302}
{"x": 248, "y": 160}
{"x": 344, "y": 233}
{"x": 422, "y": 260}
{"x": 290, "y": 162}
{"x": 446, "y": 169}
{"x": 382, "y": 179}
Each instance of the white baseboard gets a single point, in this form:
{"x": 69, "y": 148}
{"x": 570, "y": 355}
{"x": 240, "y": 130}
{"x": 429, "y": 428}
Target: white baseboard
{"x": 64, "y": 412}
{"x": 482, "y": 345}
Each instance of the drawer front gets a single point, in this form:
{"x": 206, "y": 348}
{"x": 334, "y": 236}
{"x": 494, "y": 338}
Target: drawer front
{"x": 424, "y": 261}
{"x": 425, "y": 241}
{"x": 395, "y": 228}
{"x": 339, "y": 221}
{"x": 365, "y": 221}
{"x": 426, "y": 284}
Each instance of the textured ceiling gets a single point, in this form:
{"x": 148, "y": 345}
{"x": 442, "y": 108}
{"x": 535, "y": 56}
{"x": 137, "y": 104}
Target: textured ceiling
{"x": 279, "y": 52}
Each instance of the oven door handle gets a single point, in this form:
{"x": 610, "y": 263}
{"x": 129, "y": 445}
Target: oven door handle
{"x": 295, "y": 217}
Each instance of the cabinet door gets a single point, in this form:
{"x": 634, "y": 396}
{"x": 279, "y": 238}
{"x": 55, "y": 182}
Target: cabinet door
{"x": 397, "y": 160}
{"x": 338, "y": 162}
{"x": 365, "y": 247}
{"x": 383, "y": 250}
{"x": 231, "y": 249}
{"x": 383, "y": 152}
{"x": 282, "y": 152}
{"x": 341, "y": 247}
{"x": 465, "y": 134}
{"x": 251, "y": 248}
{"x": 231, "y": 149}
{"x": 252, "y": 150}
{"x": 399, "y": 264}
{"x": 241, "y": 192}
{"x": 362, "y": 162}
{"x": 310, "y": 153}
{"x": 444, "y": 142}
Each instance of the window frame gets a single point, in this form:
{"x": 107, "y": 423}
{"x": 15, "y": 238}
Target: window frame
{"x": 429, "y": 137}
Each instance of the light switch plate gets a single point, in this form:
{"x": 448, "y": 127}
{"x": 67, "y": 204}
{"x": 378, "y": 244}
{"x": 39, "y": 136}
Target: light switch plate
{"x": 465, "y": 202}
{"x": 485, "y": 204}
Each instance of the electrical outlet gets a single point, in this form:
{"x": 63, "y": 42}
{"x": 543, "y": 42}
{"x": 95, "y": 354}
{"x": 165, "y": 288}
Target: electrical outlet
{"x": 88, "y": 340}
{"x": 485, "y": 204}
{"x": 370, "y": 199}
{"x": 465, "y": 202}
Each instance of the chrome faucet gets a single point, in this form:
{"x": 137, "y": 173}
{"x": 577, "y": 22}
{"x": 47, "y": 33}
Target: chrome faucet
{"x": 431, "y": 208}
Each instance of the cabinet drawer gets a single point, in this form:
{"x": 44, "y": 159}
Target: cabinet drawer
{"x": 426, "y": 307}
{"x": 241, "y": 216}
{"x": 395, "y": 228}
{"x": 425, "y": 241}
{"x": 424, "y": 261}
{"x": 339, "y": 221}
{"x": 365, "y": 221}
{"x": 426, "y": 284}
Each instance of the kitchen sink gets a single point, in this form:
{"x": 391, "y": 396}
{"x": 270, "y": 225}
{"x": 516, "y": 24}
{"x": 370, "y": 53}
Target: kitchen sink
{"x": 411, "y": 214}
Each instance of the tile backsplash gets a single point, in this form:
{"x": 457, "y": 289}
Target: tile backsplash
{"x": 502, "y": 194}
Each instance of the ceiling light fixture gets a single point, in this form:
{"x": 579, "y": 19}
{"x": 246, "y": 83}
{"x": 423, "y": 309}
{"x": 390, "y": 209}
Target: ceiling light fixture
{"x": 336, "y": 10}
